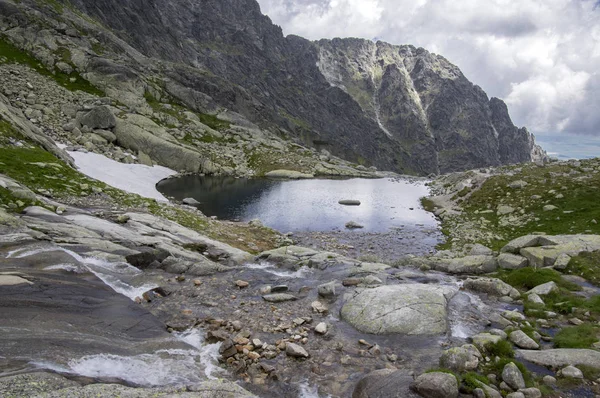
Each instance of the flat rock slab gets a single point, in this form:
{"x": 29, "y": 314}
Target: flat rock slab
{"x": 414, "y": 309}
{"x": 560, "y": 357}
{"x": 62, "y": 315}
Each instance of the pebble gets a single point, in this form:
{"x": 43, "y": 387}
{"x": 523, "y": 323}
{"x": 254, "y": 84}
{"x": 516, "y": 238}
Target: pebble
{"x": 242, "y": 284}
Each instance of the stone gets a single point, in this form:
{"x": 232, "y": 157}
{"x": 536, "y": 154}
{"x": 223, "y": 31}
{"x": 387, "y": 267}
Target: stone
{"x": 515, "y": 245}
{"x": 480, "y": 250}
{"x": 460, "y": 359}
{"x": 549, "y": 208}
{"x": 319, "y": 307}
{"x": 489, "y": 392}
{"x": 190, "y": 202}
{"x": 349, "y": 202}
{"x": 513, "y": 315}
{"x": 385, "y": 383}
{"x": 503, "y": 210}
{"x": 466, "y": 265}
{"x": 279, "y": 297}
{"x": 521, "y": 340}
{"x": 491, "y": 286}
{"x": 531, "y": 392}
{"x": 327, "y": 289}
{"x": 436, "y": 385}
{"x": 294, "y": 350}
{"x": 144, "y": 159}
{"x": 512, "y": 261}
{"x": 535, "y": 298}
{"x": 562, "y": 261}
{"x": 321, "y": 328}
{"x": 242, "y": 284}
{"x": 100, "y": 117}
{"x": 571, "y": 372}
{"x": 414, "y": 309}
{"x": 512, "y": 376}
{"x": 353, "y": 225}
{"x": 516, "y": 394}
{"x": 549, "y": 380}
{"x": 107, "y": 135}
{"x": 544, "y": 289}
{"x": 519, "y": 184}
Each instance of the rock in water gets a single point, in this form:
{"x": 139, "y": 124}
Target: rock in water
{"x": 349, "y": 202}
{"x": 279, "y": 297}
{"x": 436, "y": 385}
{"x": 190, "y": 202}
{"x": 353, "y": 225}
{"x": 416, "y": 309}
{"x": 294, "y": 350}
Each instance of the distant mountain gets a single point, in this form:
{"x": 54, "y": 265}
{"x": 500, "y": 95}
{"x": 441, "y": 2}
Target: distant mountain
{"x": 399, "y": 108}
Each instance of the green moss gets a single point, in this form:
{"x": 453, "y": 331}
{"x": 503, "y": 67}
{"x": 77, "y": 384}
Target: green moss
{"x": 527, "y": 278}
{"x": 502, "y": 349}
{"x": 11, "y": 54}
{"x": 581, "y": 336}
{"x": 589, "y": 372}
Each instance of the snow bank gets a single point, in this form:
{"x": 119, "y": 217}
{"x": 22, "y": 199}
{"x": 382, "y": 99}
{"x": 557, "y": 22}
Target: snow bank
{"x": 134, "y": 178}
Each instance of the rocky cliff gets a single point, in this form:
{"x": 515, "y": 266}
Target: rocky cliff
{"x": 394, "y": 107}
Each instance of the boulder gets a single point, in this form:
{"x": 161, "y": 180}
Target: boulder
{"x": 415, "y": 309}
{"x": 482, "y": 340}
{"x": 385, "y": 383}
{"x": 100, "y": 117}
{"x": 543, "y": 289}
{"x": 512, "y": 261}
{"x": 562, "y": 261}
{"x": 491, "y": 286}
{"x": 327, "y": 289}
{"x": 512, "y": 376}
{"x": 521, "y": 340}
{"x": 480, "y": 250}
{"x": 460, "y": 359}
{"x": 436, "y": 385}
{"x": 571, "y": 372}
{"x": 466, "y": 265}
{"x": 515, "y": 245}
{"x": 190, "y": 202}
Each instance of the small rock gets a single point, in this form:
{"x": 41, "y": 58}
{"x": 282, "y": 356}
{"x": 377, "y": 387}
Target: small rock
{"x": 294, "y": 350}
{"x": 241, "y": 284}
{"x": 190, "y": 202}
{"x": 571, "y": 372}
{"x": 353, "y": 225}
{"x": 521, "y": 340}
{"x": 549, "y": 380}
{"x": 327, "y": 289}
{"x": 321, "y": 328}
{"x": 279, "y": 297}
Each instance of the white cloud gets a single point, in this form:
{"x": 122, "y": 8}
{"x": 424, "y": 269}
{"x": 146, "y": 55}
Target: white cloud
{"x": 541, "y": 56}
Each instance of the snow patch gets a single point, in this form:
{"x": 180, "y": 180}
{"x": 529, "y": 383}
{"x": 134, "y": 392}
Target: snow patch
{"x": 134, "y": 178}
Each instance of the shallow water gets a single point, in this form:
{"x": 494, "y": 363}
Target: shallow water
{"x": 306, "y": 205}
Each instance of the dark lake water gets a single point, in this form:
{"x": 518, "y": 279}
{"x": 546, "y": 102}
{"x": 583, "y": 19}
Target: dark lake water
{"x": 306, "y": 205}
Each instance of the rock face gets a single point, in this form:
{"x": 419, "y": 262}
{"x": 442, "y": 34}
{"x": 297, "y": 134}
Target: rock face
{"x": 399, "y": 108}
{"x": 415, "y": 309}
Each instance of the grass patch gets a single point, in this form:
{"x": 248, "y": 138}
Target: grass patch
{"x": 470, "y": 379}
{"x": 527, "y": 278}
{"x": 581, "y": 336}
{"x": 587, "y": 265}
{"x": 11, "y": 55}
{"x": 427, "y": 204}
{"x": 571, "y": 188}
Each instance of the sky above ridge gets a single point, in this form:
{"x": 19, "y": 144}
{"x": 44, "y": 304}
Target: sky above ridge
{"x": 542, "y": 57}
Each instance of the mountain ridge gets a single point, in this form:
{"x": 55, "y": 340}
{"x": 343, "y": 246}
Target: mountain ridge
{"x": 216, "y": 55}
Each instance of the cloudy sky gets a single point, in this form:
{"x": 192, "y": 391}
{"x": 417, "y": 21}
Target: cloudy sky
{"x": 541, "y": 56}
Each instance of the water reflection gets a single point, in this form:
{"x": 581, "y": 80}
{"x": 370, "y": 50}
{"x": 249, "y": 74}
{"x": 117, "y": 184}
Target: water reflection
{"x": 306, "y": 205}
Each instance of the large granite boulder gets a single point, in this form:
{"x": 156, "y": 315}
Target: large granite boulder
{"x": 415, "y": 309}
